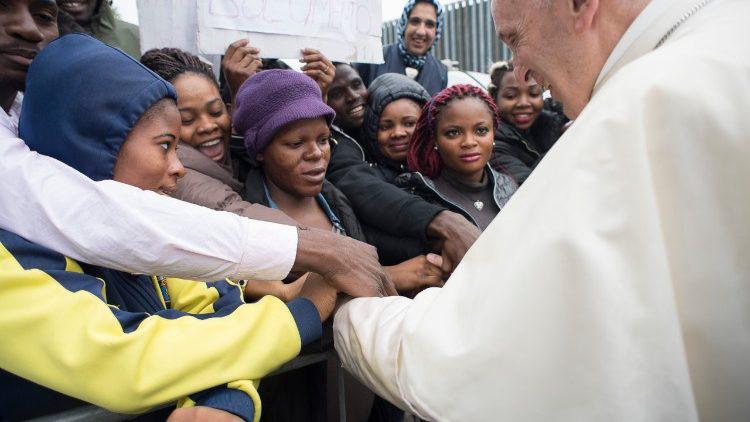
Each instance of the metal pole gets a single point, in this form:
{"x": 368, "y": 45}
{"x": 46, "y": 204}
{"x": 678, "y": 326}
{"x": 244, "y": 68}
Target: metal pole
{"x": 342, "y": 390}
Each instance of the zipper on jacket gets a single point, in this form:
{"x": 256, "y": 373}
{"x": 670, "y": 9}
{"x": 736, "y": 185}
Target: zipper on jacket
{"x": 530, "y": 149}
{"x": 337, "y": 129}
{"x": 161, "y": 283}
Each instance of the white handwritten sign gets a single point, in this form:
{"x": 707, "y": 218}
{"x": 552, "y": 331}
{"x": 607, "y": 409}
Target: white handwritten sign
{"x": 339, "y": 19}
{"x": 344, "y": 30}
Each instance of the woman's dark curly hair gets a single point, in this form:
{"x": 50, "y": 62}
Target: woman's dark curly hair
{"x": 497, "y": 71}
{"x": 169, "y": 63}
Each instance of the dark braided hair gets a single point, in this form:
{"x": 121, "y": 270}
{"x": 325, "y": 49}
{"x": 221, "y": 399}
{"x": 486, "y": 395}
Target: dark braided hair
{"x": 497, "y": 71}
{"x": 169, "y": 63}
{"x": 422, "y": 156}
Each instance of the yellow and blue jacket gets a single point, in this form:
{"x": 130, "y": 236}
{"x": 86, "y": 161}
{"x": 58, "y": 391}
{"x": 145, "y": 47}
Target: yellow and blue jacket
{"x": 206, "y": 348}
{"x": 102, "y": 336}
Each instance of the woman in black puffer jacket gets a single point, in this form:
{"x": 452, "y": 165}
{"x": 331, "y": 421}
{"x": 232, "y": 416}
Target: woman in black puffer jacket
{"x": 527, "y": 131}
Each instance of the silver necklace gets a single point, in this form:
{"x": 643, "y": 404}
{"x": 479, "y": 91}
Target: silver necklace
{"x": 478, "y": 204}
{"x": 693, "y": 10}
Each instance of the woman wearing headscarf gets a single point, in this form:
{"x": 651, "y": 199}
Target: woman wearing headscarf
{"x": 418, "y": 30}
{"x": 394, "y": 106}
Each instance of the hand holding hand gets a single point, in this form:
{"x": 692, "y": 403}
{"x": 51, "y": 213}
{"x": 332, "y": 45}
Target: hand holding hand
{"x": 350, "y": 266}
{"x": 287, "y": 292}
{"x": 456, "y": 235}
{"x": 321, "y": 294}
{"x": 417, "y": 273}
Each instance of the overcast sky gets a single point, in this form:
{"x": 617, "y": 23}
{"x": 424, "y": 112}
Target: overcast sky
{"x": 391, "y": 9}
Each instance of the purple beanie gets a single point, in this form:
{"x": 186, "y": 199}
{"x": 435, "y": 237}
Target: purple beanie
{"x": 272, "y": 99}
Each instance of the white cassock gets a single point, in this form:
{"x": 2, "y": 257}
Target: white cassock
{"x": 615, "y": 285}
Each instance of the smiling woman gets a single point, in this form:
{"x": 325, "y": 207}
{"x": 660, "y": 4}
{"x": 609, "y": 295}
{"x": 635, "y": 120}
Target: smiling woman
{"x": 210, "y": 176}
{"x": 526, "y": 130}
{"x": 395, "y": 104}
{"x": 418, "y": 29}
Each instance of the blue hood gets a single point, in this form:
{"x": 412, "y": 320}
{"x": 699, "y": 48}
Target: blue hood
{"x": 82, "y": 99}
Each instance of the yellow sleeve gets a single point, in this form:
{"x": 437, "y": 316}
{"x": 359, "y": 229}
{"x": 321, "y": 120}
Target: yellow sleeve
{"x": 239, "y": 397}
{"x": 198, "y": 297}
{"x": 59, "y": 333}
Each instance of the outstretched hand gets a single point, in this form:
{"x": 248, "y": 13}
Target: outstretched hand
{"x": 350, "y": 266}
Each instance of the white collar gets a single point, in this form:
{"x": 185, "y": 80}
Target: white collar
{"x": 10, "y": 120}
{"x": 645, "y": 19}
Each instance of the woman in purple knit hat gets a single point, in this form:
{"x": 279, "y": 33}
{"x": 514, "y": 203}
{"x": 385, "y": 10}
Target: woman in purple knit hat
{"x": 286, "y": 128}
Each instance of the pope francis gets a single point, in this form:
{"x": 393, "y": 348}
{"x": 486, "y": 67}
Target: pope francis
{"x": 615, "y": 285}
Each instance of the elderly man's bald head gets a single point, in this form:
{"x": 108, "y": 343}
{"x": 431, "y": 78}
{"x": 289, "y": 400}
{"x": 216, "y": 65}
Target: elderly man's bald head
{"x": 564, "y": 43}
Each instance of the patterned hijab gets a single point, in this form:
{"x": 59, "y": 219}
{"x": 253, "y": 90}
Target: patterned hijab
{"x": 412, "y": 60}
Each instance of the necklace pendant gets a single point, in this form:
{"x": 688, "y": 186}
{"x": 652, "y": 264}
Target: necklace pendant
{"x": 479, "y": 205}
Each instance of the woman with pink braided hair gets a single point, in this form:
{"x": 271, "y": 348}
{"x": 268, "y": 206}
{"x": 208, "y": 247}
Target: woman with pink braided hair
{"x": 449, "y": 152}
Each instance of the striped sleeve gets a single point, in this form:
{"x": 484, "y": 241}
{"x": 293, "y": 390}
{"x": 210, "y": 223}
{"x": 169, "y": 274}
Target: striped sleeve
{"x": 197, "y": 297}
{"x": 63, "y": 336}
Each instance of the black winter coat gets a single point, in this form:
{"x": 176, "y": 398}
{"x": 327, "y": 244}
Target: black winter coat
{"x": 395, "y": 222}
{"x": 503, "y": 187}
{"x": 377, "y": 203}
{"x": 518, "y": 152}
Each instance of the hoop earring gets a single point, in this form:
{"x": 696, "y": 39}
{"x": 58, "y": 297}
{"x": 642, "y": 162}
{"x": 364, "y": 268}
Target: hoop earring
{"x": 435, "y": 147}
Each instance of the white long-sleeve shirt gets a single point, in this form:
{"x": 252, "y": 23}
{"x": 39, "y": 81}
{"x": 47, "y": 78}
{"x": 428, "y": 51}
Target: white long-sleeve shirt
{"x": 122, "y": 227}
{"x": 615, "y": 284}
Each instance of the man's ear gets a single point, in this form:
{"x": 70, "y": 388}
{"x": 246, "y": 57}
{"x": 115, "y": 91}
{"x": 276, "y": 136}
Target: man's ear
{"x": 583, "y": 12}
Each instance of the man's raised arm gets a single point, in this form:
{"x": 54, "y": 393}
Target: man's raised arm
{"x": 121, "y": 227}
